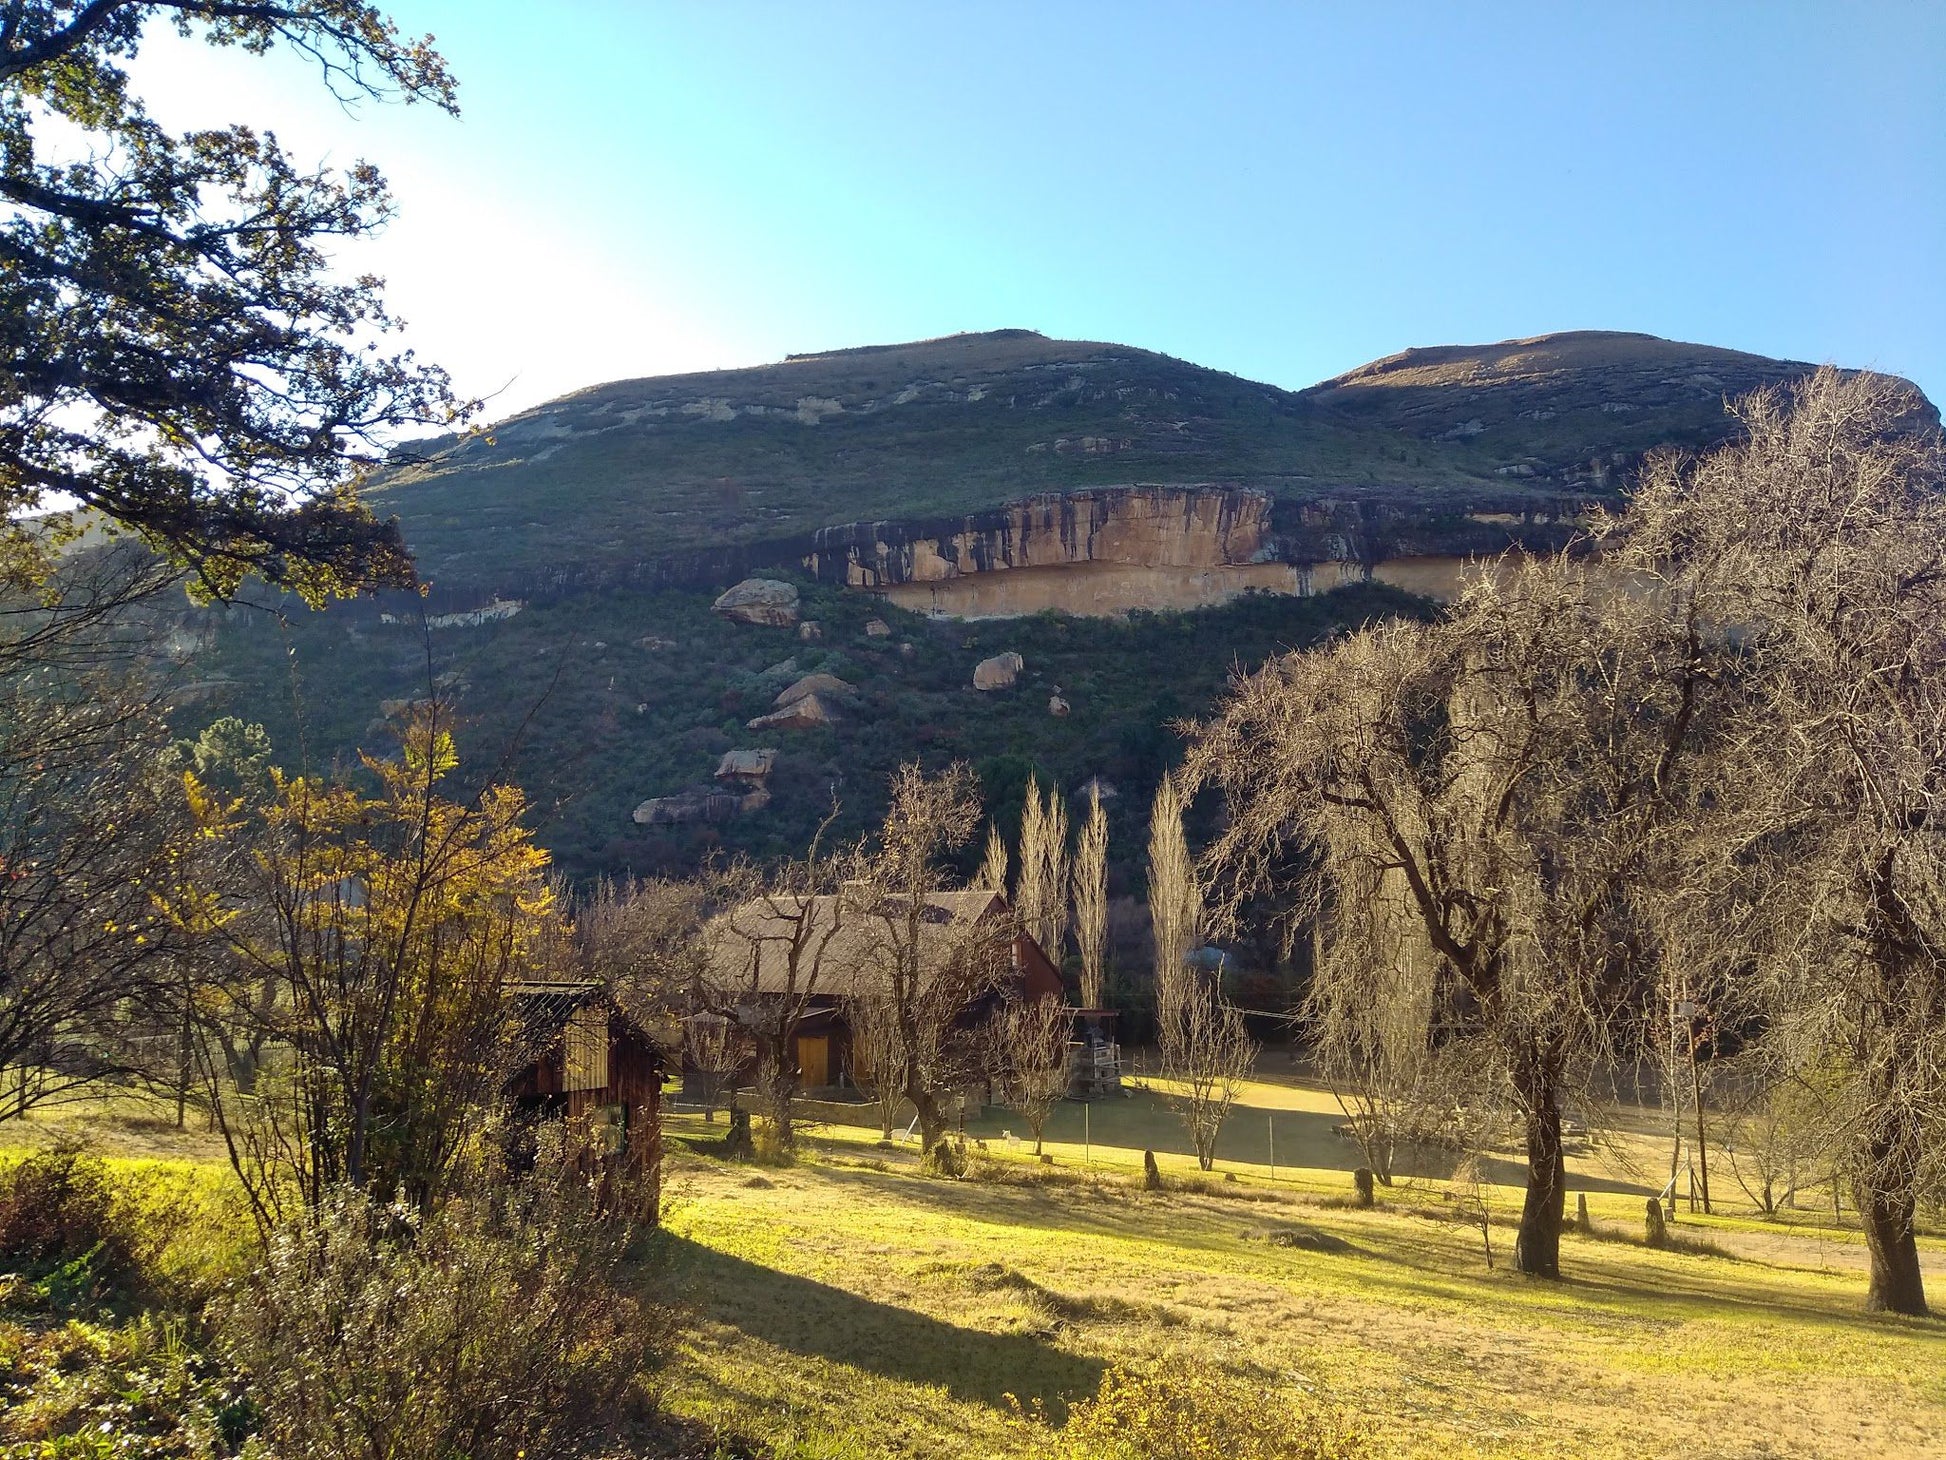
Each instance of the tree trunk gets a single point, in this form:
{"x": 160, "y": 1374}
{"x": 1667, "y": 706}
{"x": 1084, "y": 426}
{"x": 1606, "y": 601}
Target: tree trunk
{"x": 932, "y": 1119}
{"x": 1702, "y": 1139}
{"x": 183, "y": 1067}
{"x": 1537, "y": 1248}
{"x": 1885, "y": 1208}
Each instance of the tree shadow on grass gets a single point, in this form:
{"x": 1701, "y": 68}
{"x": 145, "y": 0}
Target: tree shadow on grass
{"x": 819, "y": 1321}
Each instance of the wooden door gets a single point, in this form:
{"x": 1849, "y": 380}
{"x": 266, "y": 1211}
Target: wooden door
{"x": 814, "y": 1059}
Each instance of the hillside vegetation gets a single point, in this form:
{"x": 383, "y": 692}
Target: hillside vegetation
{"x": 603, "y": 701}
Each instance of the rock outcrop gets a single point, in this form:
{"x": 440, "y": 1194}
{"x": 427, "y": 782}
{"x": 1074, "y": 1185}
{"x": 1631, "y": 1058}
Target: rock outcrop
{"x": 767, "y": 601}
{"x": 699, "y": 803}
{"x": 746, "y": 765}
{"x": 806, "y": 712}
{"x": 999, "y": 672}
{"x": 492, "y": 612}
{"x": 825, "y": 686}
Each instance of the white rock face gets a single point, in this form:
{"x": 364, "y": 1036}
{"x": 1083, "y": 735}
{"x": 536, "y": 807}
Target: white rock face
{"x": 999, "y": 672}
{"x": 1056, "y": 706}
{"x": 877, "y": 628}
{"x": 760, "y": 601}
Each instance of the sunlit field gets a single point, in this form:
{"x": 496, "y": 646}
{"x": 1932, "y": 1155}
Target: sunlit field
{"x": 849, "y": 1306}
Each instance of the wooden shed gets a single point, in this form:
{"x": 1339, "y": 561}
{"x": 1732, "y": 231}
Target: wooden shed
{"x": 593, "y": 1065}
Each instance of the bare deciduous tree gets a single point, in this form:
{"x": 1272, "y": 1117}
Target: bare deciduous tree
{"x": 994, "y": 865}
{"x": 765, "y": 960}
{"x": 1175, "y": 901}
{"x": 1030, "y": 1044}
{"x": 641, "y": 941}
{"x": 1041, "y": 898}
{"x": 1821, "y": 537}
{"x": 1377, "y": 1055}
{"x": 92, "y": 828}
{"x": 716, "y": 1050}
{"x": 1206, "y": 1056}
{"x": 1090, "y": 886}
{"x": 936, "y": 965}
{"x": 1030, "y": 888}
{"x": 1777, "y": 1142}
{"x": 1206, "y": 1052}
{"x": 1503, "y": 779}
{"x": 876, "y": 1045}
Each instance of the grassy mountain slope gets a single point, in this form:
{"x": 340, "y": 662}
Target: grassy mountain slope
{"x": 647, "y": 467}
{"x": 599, "y": 695}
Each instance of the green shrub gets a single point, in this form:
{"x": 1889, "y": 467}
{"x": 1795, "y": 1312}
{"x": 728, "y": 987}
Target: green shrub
{"x": 145, "y": 1389}
{"x": 1197, "y": 1413}
{"x": 58, "y": 1207}
{"x": 495, "y": 1329}
{"x": 76, "y": 1232}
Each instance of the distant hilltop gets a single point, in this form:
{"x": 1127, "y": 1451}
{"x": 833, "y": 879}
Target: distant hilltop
{"x": 712, "y": 467}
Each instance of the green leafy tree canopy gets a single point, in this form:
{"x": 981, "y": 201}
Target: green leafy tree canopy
{"x": 180, "y": 358}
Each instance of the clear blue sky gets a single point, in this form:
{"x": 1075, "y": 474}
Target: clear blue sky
{"x": 1283, "y": 191}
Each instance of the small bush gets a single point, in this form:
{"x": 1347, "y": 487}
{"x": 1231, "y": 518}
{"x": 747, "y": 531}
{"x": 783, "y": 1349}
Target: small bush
{"x": 60, "y": 1206}
{"x": 1197, "y": 1414}
{"x": 947, "y": 1159}
{"x": 495, "y": 1329}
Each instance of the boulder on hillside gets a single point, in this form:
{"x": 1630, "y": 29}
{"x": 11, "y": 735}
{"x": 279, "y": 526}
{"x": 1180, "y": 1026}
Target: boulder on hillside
{"x": 745, "y": 765}
{"x": 803, "y": 713}
{"x": 877, "y": 628}
{"x": 767, "y": 601}
{"x": 699, "y": 803}
{"x": 999, "y": 672}
{"x": 1056, "y": 706}
{"x": 810, "y": 629}
{"x": 828, "y": 686}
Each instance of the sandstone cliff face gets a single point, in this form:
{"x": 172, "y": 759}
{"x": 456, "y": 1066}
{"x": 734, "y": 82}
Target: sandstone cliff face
{"x": 1109, "y": 551}
{"x": 1158, "y": 527}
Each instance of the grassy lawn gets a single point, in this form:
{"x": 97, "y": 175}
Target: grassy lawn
{"x": 850, "y": 1306}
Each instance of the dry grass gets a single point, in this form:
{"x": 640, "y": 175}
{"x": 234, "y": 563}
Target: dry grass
{"x": 854, "y": 1307}
{"x": 848, "y": 1307}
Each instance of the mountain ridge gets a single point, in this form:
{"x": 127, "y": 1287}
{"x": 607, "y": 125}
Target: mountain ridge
{"x": 1067, "y": 501}
{"x": 602, "y": 479}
